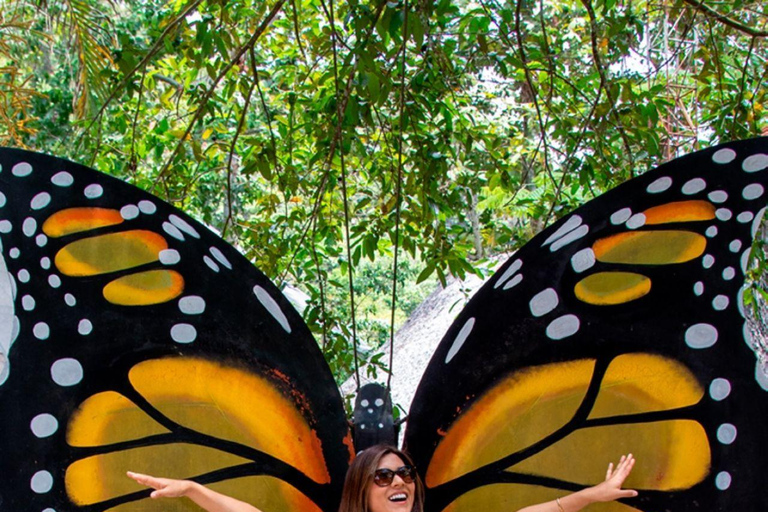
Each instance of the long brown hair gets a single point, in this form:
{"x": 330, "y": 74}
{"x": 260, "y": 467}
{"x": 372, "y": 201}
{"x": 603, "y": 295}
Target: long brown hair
{"x": 354, "y": 497}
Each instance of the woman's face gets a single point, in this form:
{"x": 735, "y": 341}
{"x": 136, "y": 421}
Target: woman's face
{"x": 396, "y": 497}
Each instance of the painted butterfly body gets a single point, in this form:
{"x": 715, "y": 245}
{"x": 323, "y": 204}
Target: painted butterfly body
{"x": 136, "y": 339}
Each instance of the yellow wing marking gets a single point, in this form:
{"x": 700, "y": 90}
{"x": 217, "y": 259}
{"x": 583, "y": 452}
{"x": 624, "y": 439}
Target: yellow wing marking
{"x": 109, "y": 253}
{"x": 519, "y": 411}
{"x": 636, "y": 383}
{"x": 230, "y": 403}
{"x": 76, "y": 220}
{"x": 221, "y": 401}
{"x": 675, "y": 454}
{"x": 145, "y": 288}
{"x": 531, "y": 404}
{"x": 680, "y": 211}
{"x": 102, "y": 477}
{"x": 511, "y": 497}
{"x": 610, "y": 288}
{"x": 107, "y": 418}
{"x": 650, "y": 247}
{"x": 270, "y": 494}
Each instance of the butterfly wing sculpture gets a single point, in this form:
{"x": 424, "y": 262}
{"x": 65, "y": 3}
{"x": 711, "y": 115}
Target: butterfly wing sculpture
{"x": 136, "y": 339}
{"x": 618, "y": 329}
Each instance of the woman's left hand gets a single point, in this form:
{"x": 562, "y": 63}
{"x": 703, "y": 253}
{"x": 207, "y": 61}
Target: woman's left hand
{"x": 614, "y": 478}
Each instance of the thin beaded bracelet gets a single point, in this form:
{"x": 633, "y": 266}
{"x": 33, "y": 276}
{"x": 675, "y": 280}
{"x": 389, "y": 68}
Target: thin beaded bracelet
{"x": 559, "y": 505}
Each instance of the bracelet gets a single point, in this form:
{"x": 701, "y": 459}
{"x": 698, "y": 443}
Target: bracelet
{"x": 559, "y": 505}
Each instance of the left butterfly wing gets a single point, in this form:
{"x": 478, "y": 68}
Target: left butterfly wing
{"x": 618, "y": 329}
{"x": 137, "y": 340}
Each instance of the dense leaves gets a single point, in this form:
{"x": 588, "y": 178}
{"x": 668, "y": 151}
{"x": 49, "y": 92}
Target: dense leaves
{"x": 315, "y": 135}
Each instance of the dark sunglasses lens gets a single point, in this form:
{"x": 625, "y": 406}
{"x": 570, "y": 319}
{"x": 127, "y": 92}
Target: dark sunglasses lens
{"x": 406, "y": 473}
{"x": 383, "y": 477}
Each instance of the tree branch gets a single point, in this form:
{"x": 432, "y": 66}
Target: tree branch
{"x": 725, "y": 20}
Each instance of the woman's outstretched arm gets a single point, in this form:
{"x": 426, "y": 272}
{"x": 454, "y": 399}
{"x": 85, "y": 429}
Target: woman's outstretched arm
{"x": 608, "y": 490}
{"x": 211, "y": 501}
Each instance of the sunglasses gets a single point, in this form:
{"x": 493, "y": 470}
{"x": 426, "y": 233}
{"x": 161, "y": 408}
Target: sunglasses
{"x": 383, "y": 477}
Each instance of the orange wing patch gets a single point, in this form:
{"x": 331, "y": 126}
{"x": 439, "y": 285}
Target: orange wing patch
{"x": 680, "y": 211}
{"x": 77, "y": 220}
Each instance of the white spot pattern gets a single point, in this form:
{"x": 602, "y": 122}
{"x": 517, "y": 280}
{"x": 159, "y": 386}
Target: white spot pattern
{"x": 701, "y": 336}
{"x": 720, "y": 302}
{"x": 726, "y": 433}
{"x": 40, "y": 201}
{"x": 21, "y": 169}
{"x": 719, "y": 389}
{"x": 544, "y": 302}
{"x": 509, "y": 272}
{"x": 583, "y": 260}
{"x": 85, "y": 327}
{"x": 169, "y": 256}
{"x": 694, "y": 186}
{"x": 755, "y": 163}
{"x": 723, "y": 480}
{"x": 636, "y": 221}
{"x": 183, "y": 333}
{"x": 752, "y": 191}
{"x": 745, "y": 217}
{"x": 44, "y": 425}
{"x": 574, "y": 235}
{"x": 41, "y": 482}
{"x": 129, "y": 211}
{"x": 192, "y": 305}
{"x": 147, "y": 207}
{"x": 723, "y": 214}
{"x": 563, "y": 327}
{"x": 62, "y": 179}
{"x": 173, "y": 231}
{"x": 660, "y": 185}
{"x": 718, "y": 196}
{"x": 724, "y": 156}
{"x": 569, "y": 225}
{"x": 183, "y": 225}
{"x": 458, "y": 342}
{"x": 93, "y": 191}
{"x": 67, "y": 372}
{"x": 621, "y": 216}
{"x": 211, "y": 264}
{"x": 272, "y": 307}
{"x": 220, "y": 257}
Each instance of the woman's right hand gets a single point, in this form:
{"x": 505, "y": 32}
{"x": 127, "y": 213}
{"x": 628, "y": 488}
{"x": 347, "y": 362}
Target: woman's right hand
{"x": 163, "y": 487}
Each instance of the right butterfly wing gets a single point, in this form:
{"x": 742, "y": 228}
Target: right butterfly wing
{"x": 138, "y": 340}
{"x": 618, "y": 329}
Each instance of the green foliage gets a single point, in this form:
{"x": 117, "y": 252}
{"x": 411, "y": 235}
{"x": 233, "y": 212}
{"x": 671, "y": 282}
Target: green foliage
{"x": 449, "y": 129}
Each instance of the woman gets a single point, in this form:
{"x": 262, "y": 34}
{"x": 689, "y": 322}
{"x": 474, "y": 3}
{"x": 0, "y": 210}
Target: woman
{"x": 383, "y": 479}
